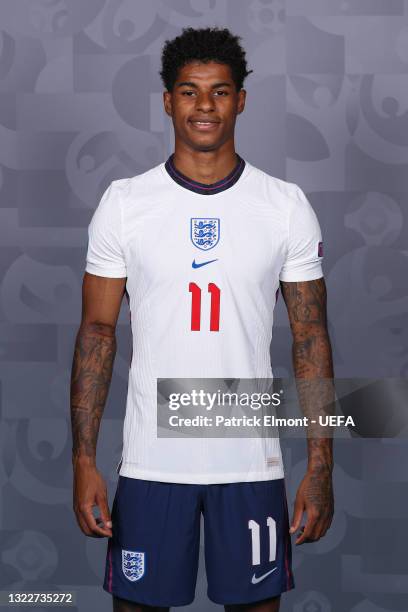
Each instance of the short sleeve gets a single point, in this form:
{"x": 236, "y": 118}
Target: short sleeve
{"x": 105, "y": 253}
{"x": 305, "y": 246}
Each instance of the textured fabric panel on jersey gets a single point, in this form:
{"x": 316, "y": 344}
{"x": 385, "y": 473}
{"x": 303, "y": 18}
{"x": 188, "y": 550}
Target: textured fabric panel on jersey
{"x": 154, "y": 230}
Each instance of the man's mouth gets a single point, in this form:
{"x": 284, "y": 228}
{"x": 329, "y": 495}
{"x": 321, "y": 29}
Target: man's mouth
{"x": 204, "y": 125}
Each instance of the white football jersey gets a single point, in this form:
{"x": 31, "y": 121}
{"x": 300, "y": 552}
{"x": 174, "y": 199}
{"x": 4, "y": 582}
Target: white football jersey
{"x": 203, "y": 265}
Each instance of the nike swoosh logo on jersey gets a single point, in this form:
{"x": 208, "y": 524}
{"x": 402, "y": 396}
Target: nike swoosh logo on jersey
{"x": 198, "y": 265}
{"x": 255, "y": 580}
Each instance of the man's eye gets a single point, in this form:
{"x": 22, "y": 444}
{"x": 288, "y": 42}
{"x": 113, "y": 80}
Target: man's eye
{"x": 220, "y": 91}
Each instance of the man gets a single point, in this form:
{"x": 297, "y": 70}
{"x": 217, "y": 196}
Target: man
{"x": 198, "y": 314}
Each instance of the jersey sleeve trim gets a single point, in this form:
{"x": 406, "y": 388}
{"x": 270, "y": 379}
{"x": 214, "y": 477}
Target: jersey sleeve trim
{"x": 108, "y": 272}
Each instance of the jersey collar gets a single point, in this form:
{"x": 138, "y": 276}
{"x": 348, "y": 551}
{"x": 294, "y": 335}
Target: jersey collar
{"x": 205, "y": 188}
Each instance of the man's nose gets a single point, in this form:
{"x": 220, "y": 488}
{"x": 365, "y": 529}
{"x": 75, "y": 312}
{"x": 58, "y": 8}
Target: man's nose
{"x": 205, "y": 101}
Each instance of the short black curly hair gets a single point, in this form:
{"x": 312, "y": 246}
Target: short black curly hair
{"x": 203, "y": 45}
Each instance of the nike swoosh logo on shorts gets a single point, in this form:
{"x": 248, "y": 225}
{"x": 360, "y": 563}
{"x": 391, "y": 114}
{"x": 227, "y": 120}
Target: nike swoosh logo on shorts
{"x": 198, "y": 265}
{"x": 255, "y": 580}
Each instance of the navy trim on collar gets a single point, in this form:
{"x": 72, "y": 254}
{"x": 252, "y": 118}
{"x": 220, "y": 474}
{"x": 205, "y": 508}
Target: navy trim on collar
{"x": 205, "y": 188}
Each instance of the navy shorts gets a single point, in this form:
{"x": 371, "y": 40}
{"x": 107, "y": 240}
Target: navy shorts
{"x": 152, "y": 556}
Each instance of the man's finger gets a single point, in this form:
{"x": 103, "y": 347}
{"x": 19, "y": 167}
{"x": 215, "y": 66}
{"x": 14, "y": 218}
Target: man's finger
{"x": 297, "y": 515}
{"x": 303, "y": 538}
{"x": 326, "y": 525}
{"x": 105, "y": 513}
{"x": 84, "y": 527}
{"x": 309, "y": 529}
{"x": 92, "y": 524}
{"x": 101, "y": 523}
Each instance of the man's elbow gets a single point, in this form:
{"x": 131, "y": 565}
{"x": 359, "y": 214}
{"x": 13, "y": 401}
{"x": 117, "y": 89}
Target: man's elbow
{"x": 96, "y": 327}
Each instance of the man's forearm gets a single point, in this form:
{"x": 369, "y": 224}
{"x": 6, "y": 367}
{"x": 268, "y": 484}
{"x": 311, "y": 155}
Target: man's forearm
{"x": 92, "y": 366}
{"x": 312, "y": 364}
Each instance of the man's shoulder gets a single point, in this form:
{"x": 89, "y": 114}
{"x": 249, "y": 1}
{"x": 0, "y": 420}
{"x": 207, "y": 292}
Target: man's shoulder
{"x": 272, "y": 188}
{"x": 273, "y": 182}
{"x": 140, "y": 183}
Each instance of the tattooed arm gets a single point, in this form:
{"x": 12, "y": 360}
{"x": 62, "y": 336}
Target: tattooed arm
{"x": 313, "y": 369}
{"x": 94, "y": 354}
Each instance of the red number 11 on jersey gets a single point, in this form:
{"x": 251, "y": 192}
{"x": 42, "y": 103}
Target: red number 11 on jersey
{"x": 215, "y": 292}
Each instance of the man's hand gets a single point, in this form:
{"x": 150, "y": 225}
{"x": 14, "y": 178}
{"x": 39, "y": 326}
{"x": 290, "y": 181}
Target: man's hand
{"x": 315, "y": 497}
{"x": 89, "y": 491}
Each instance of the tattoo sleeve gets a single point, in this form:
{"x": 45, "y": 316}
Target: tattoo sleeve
{"x": 92, "y": 366}
{"x": 312, "y": 363}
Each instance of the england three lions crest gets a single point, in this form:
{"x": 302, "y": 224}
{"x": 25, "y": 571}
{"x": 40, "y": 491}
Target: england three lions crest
{"x": 133, "y": 564}
{"x": 205, "y": 233}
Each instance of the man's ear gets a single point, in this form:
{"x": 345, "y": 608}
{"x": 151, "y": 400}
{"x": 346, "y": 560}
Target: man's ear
{"x": 167, "y": 102}
{"x": 241, "y": 101}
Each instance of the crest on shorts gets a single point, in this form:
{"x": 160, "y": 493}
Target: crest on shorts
{"x": 133, "y": 564}
{"x": 205, "y": 232}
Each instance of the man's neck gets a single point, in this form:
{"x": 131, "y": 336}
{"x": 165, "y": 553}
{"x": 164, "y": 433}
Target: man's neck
{"x": 205, "y": 166}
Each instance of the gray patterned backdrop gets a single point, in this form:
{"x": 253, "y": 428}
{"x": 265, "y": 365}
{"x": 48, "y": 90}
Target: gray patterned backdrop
{"x": 81, "y": 105}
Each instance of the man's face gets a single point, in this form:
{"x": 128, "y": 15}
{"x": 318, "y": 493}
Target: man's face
{"x": 204, "y": 93}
